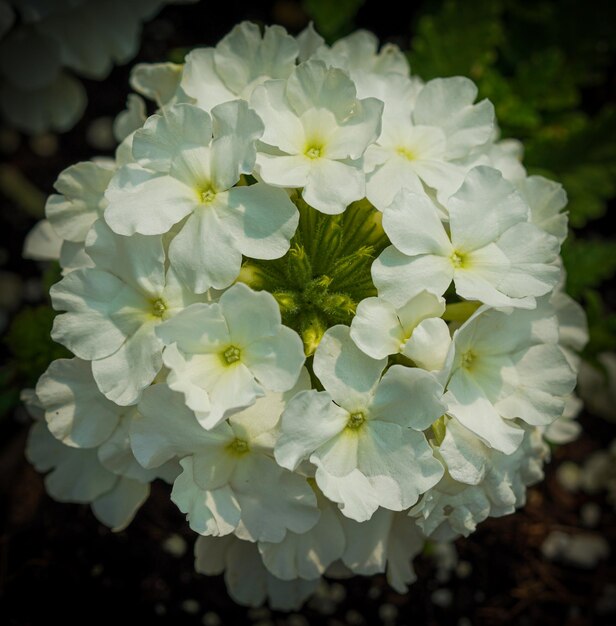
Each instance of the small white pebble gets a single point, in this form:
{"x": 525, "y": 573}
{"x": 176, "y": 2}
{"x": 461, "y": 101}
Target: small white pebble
{"x": 582, "y": 550}
{"x": 374, "y": 593}
{"x": 354, "y": 618}
{"x": 590, "y": 514}
{"x": 259, "y": 613}
{"x": 464, "y": 569}
{"x": 442, "y": 597}
{"x": 190, "y": 606}
{"x": 211, "y": 619}
{"x": 99, "y": 134}
{"x": 175, "y": 545}
{"x": 388, "y": 613}
{"x": 160, "y": 608}
{"x": 44, "y": 145}
{"x": 568, "y": 474}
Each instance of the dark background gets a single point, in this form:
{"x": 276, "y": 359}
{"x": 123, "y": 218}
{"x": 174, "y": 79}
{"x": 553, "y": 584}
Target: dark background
{"x": 58, "y": 563}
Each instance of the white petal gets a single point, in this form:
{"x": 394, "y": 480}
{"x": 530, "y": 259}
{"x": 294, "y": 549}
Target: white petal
{"x": 200, "y": 80}
{"x": 200, "y": 327}
{"x": 42, "y": 243}
{"x": 89, "y": 328}
{"x": 167, "y": 428}
{"x": 310, "y": 420}
{"x": 413, "y": 225}
{"x": 146, "y": 203}
{"x": 166, "y": 133}
{"x": 348, "y": 375}
{"x": 376, "y": 328}
{"x": 118, "y": 507}
{"x": 276, "y": 361}
{"x": 332, "y": 186}
{"x": 76, "y": 412}
{"x": 398, "y": 462}
{"x": 309, "y": 554}
{"x": 399, "y": 278}
{"x": 429, "y": 344}
{"x": 313, "y": 85}
{"x": 545, "y": 379}
{"x": 81, "y": 203}
{"x": 408, "y": 396}
{"x": 448, "y": 103}
{"x": 283, "y": 171}
{"x": 484, "y": 207}
{"x": 272, "y": 500}
{"x": 156, "y": 81}
{"x": 468, "y": 403}
{"x": 123, "y": 375}
{"x": 208, "y": 512}
{"x": 354, "y": 494}
{"x": 203, "y": 253}
{"x": 466, "y": 456}
{"x": 267, "y": 220}
{"x": 388, "y": 179}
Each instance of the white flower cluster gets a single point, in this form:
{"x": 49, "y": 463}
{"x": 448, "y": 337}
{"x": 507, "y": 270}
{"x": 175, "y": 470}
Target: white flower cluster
{"x": 319, "y": 297}
{"x": 43, "y": 41}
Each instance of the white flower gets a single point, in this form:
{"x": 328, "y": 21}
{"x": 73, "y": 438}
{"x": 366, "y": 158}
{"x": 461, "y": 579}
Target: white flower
{"x": 195, "y": 179}
{"x": 230, "y": 482}
{"x": 426, "y": 148}
{"x": 223, "y": 356}
{"x": 80, "y": 200}
{"x": 113, "y": 308}
{"x": 309, "y": 554}
{"x": 506, "y": 365}
{"x": 316, "y": 132}
{"x": 415, "y": 330}
{"x": 247, "y": 580}
{"x": 546, "y": 200}
{"x": 242, "y": 60}
{"x": 87, "y": 37}
{"x": 492, "y": 253}
{"x": 359, "y": 432}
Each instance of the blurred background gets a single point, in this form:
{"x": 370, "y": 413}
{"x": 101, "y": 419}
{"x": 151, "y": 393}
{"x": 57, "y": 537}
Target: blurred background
{"x": 549, "y": 67}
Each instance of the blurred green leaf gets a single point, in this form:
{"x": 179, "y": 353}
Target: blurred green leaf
{"x": 30, "y": 343}
{"x": 584, "y": 160}
{"x": 601, "y": 325}
{"x": 332, "y": 19}
{"x": 461, "y": 39}
{"x": 589, "y": 262}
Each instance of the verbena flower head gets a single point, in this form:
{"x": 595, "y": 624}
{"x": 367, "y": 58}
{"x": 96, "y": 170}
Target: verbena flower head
{"x": 320, "y": 298}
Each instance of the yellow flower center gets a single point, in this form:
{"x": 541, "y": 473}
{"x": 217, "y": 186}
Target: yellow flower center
{"x": 231, "y": 355}
{"x": 458, "y": 259}
{"x": 356, "y": 420}
{"x": 238, "y": 447}
{"x": 159, "y": 306}
{"x": 467, "y": 360}
{"x": 314, "y": 152}
{"x": 207, "y": 195}
{"x": 406, "y": 153}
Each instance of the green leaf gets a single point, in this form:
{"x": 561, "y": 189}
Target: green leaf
{"x": 589, "y": 262}
{"x": 601, "y": 325}
{"x": 461, "y": 39}
{"x": 30, "y": 343}
{"x": 332, "y": 19}
{"x": 583, "y": 158}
